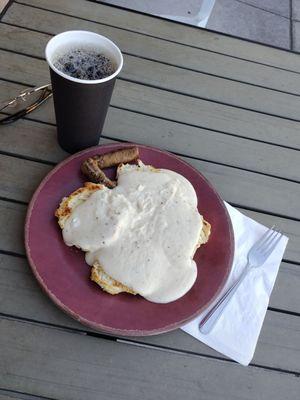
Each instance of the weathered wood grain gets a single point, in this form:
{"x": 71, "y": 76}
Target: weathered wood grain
{"x": 289, "y": 227}
{"x": 20, "y": 177}
{"x": 216, "y": 173}
{"x": 80, "y": 366}
{"x": 280, "y": 331}
{"x": 202, "y": 113}
{"x": 171, "y": 106}
{"x": 115, "y": 368}
{"x": 17, "y": 284}
{"x": 177, "y": 32}
{"x": 11, "y": 395}
{"x": 170, "y": 78}
{"x": 252, "y": 190}
{"x": 12, "y": 218}
{"x": 31, "y": 139}
{"x": 240, "y": 187}
{"x": 287, "y": 283}
{"x": 220, "y": 180}
{"x": 18, "y": 287}
{"x": 248, "y": 191}
{"x": 202, "y": 143}
{"x": 33, "y": 43}
{"x": 38, "y": 141}
{"x": 20, "y": 296}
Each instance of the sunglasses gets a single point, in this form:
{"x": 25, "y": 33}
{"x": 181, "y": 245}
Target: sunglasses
{"x": 26, "y": 102}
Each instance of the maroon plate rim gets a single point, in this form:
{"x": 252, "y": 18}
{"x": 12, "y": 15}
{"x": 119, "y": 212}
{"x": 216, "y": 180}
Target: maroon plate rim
{"x": 98, "y": 326}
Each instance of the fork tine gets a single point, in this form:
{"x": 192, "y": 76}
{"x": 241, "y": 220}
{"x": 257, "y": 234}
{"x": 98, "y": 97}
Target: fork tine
{"x": 264, "y": 240}
{"x": 273, "y": 244}
{"x": 263, "y": 237}
{"x": 268, "y": 239}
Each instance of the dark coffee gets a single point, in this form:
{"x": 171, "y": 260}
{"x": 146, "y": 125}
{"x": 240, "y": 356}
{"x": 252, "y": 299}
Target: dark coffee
{"x": 85, "y": 64}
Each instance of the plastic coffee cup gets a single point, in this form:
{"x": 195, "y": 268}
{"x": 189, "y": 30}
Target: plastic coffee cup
{"x": 81, "y": 105}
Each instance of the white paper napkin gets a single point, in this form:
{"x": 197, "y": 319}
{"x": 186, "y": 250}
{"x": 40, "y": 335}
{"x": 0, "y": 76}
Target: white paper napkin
{"x": 236, "y": 332}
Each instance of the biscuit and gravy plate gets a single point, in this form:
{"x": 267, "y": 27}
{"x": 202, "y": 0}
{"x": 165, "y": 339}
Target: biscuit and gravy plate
{"x": 129, "y": 239}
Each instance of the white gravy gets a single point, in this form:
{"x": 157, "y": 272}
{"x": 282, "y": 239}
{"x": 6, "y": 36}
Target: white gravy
{"x": 143, "y": 233}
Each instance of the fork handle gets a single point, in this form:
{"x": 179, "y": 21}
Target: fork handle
{"x": 208, "y": 322}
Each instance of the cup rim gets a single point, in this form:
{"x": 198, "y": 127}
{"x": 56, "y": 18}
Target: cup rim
{"x": 84, "y": 81}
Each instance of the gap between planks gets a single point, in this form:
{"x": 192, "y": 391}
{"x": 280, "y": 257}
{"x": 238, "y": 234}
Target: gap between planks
{"x": 14, "y": 394}
{"x": 22, "y": 297}
{"x": 210, "y": 170}
{"x": 179, "y": 154}
{"x": 258, "y": 130}
{"x": 83, "y": 373}
{"x": 160, "y": 61}
{"x": 133, "y": 74}
{"x": 137, "y": 343}
{"x": 41, "y": 23}
{"x": 209, "y": 41}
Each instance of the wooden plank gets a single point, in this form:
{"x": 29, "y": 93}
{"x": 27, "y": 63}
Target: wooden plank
{"x": 221, "y": 176}
{"x": 9, "y": 210}
{"x": 279, "y": 335}
{"x": 11, "y": 395}
{"x": 172, "y": 106}
{"x": 39, "y": 142}
{"x": 174, "y": 79}
{"x": 289, "y": 227}
{"x": 32, "y": 139}
{"x": 240, "y": 187}
{"x": 287, "y": 283}
{"x": 202, "y": 143}
{"x": 275, "y": 327}
{"x": 12, "y": 218}
{"x": 18, "y": 225}
{"x": 247, "y": 189}
{"x": 18, "y": 287}
{"x": 33, "y": 43}
{"x": 20, "y": 177}
{"x": 82, "y": 366}
{"x": 203, "y": 113}
{"x": 21, "y": 297}
{"x": 172, "y": 31}
{"x": 12, "y": 68}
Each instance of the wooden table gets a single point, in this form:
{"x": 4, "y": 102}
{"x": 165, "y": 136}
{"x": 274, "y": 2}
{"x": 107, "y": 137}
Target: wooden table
{"x": 229, "y": 107}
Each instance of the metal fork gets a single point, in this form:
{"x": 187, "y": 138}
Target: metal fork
{"x": 256, "y": 257}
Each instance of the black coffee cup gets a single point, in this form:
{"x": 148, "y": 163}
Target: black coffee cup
{"x": 81, "y": 105}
